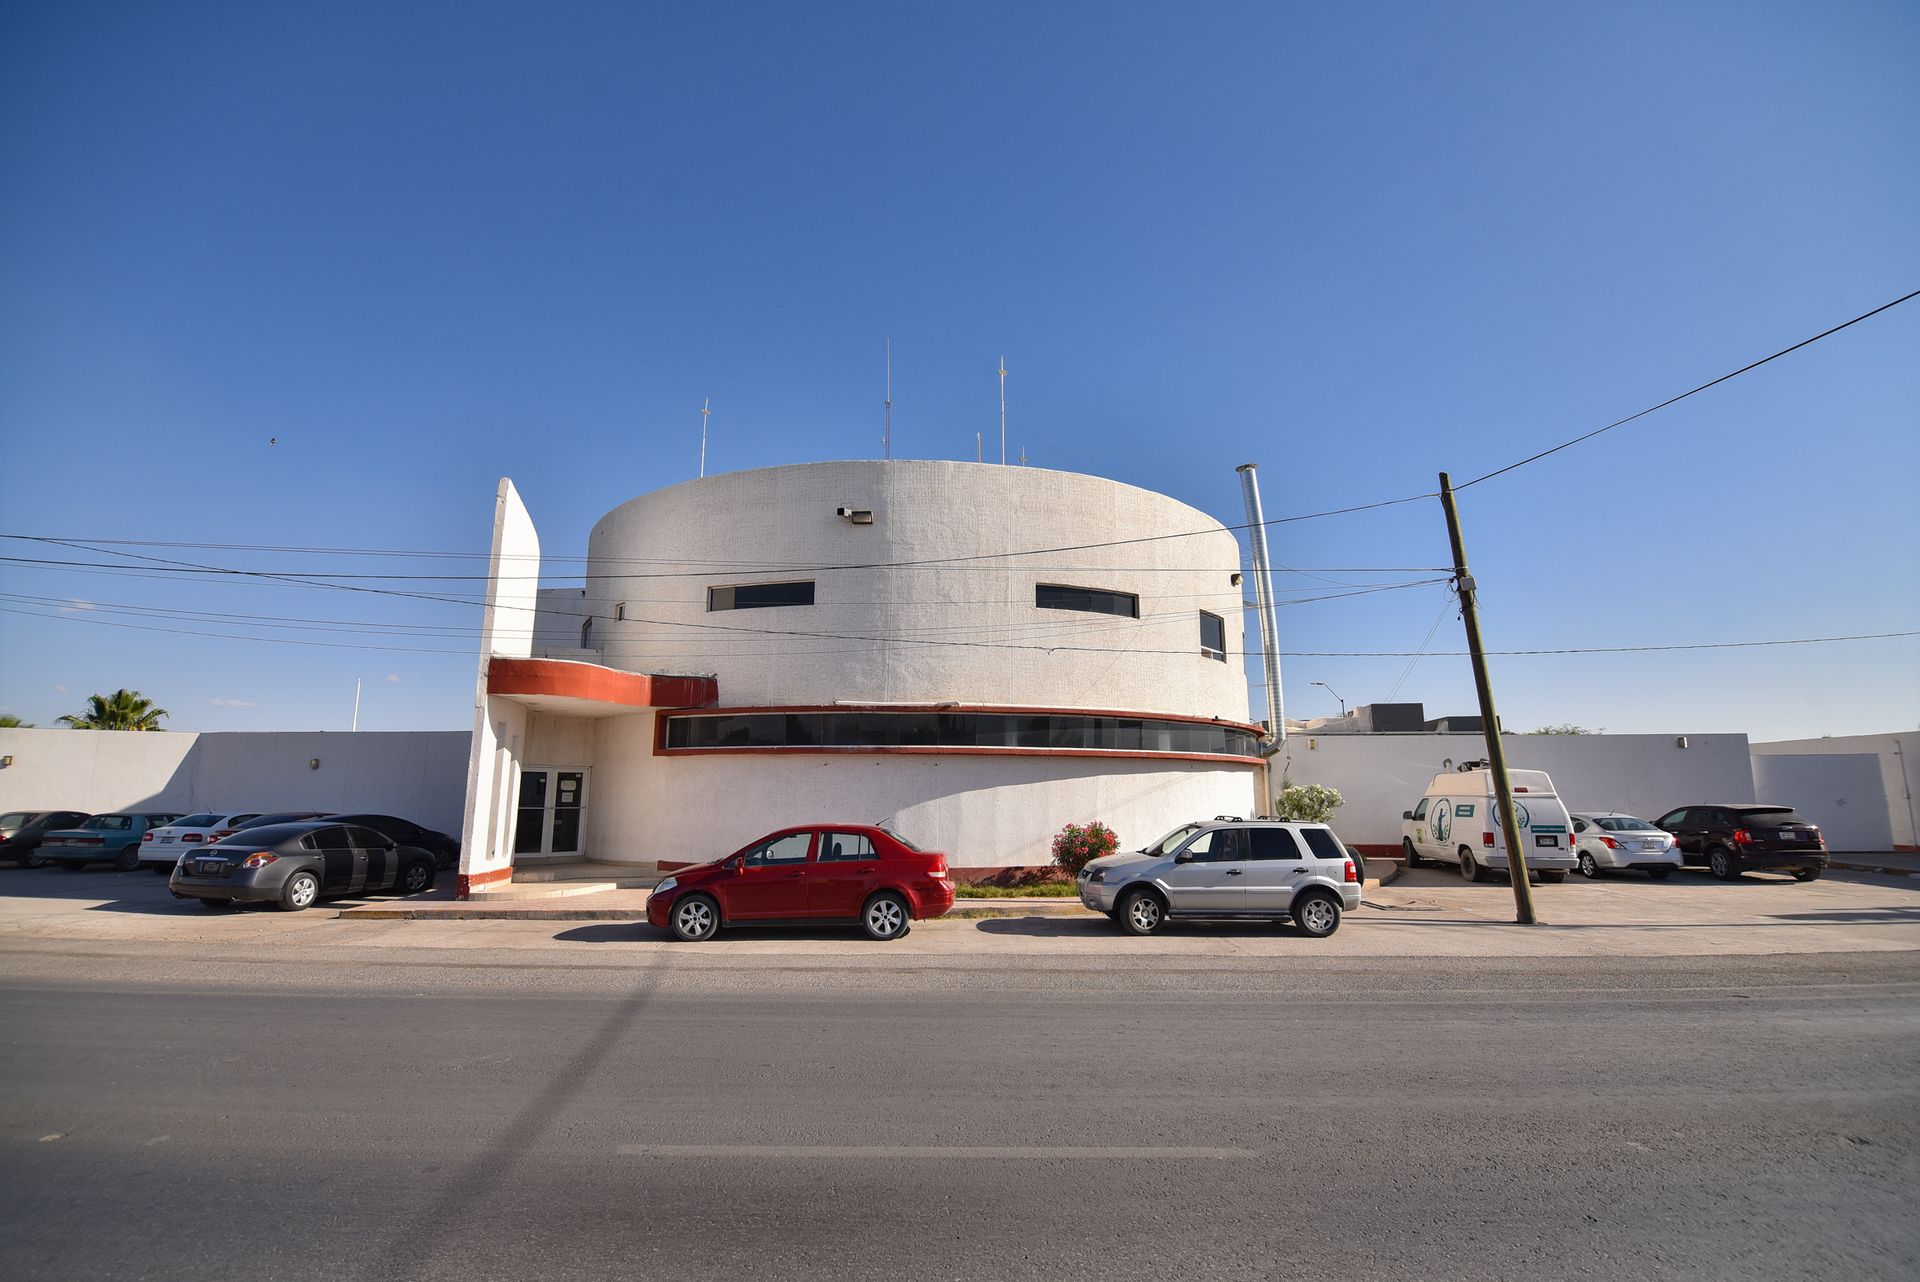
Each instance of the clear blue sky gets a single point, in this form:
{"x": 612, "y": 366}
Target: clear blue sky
{"x": 423, "y": 247}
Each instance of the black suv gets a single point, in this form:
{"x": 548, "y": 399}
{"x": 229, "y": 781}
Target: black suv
{"x": 1736, "y": 837}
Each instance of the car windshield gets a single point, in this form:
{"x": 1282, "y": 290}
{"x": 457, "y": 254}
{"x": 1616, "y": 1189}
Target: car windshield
{"x": 197, "y": 821}
{"x": 897, "y": 837}
{"x": 16, "y": 819}
{"x": 1165, "y": 845}
{"x": 1772, "y": 818}
{"x": 1626, "y": 825}
{"x": 109, "y": 823}
{"x": 265, "y": 835}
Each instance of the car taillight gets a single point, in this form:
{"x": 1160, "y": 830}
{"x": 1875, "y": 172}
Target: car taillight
{"x": 260, "y": 860}
{"x": 1610, "y": 845}
{"x": 1352, "y": 874}
{"x": 1742, "y": 837}
{"x": 1486, "y": 839}
{"x": 144, "y": 840}
{"x": 192, "y": 836}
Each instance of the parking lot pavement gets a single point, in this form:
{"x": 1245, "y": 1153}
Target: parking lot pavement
{"x": 1424, "y": 914}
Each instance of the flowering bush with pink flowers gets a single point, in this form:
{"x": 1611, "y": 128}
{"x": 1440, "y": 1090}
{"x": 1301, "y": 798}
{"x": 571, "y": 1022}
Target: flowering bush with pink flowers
{"x": 1074, "y": 846}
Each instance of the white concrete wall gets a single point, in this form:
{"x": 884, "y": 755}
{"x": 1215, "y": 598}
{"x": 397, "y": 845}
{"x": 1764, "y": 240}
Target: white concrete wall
{"x": 981, "y": 810}
{"x": 418, "y": 775}
{"x": 1899, "y": 775}
{"x": 506, "y": 628}
{"x": 1642, "y": 774}
{"x": 1841, "y": 792}
{"x": 865, "y": 636}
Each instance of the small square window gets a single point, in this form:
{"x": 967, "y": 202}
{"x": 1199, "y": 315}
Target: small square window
{"x": 1213, "y": 636}
{"x": 620, "y": 613}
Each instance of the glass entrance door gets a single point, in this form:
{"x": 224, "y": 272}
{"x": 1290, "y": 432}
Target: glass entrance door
{"x": 548, "y": 812}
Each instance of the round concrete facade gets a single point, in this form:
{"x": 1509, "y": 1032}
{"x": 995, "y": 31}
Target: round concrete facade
{"x": 933, "y": 598}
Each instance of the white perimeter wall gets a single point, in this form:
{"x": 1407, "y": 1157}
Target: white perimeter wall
{"x": 980, "y": 810}
{"x": 418, "y": 775}
{"x": 1638, "y": 774}
{"x": 1796, "y": 771}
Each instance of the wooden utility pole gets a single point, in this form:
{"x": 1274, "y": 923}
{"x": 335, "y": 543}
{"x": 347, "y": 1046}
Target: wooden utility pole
{"x": 1489, "y": 719}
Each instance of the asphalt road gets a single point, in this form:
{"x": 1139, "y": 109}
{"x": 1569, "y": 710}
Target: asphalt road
{"x": 1620, "y": 1118}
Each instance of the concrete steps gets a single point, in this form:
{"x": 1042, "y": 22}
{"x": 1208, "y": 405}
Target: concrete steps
{"x": 556, "y": 879}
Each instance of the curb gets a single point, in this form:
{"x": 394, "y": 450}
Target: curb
{"x": 1879, "y": 868}
{"x": 481, "y": 912}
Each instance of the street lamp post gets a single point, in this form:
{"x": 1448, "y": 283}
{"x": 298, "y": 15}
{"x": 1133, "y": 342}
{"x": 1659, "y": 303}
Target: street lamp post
{"x": 1336, "y": 694}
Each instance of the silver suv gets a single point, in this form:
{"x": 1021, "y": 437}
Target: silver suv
{"x": 1228, "y": 868}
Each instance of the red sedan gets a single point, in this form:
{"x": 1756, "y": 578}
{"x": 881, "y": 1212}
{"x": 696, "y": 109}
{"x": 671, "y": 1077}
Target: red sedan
{"x": 841, "y": 871}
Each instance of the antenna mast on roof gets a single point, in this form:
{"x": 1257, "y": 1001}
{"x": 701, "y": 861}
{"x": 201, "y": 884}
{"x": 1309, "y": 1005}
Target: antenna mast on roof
{"x": 704, "y": 411}
{"x": 1003, "y": 411}
{"x": 886, "y": 441}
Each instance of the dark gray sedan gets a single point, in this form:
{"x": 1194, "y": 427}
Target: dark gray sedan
{"x": 296, "y": 865}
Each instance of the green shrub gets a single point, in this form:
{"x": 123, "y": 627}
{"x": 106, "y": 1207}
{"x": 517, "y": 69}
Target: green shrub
{"x": 1307, "y": 803}
{"x": 1074, "y": 847}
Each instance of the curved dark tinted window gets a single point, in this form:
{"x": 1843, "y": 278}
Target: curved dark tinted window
{"x": 1053, "y": 596}
{"x": 1272, "y": 843}
{"x": 16, "y": 819}
{"x": 757, "y": 596}
{"x": 957, "y": 730}
{"x": 109, "y": 823}
{"x": 198, "y": 821}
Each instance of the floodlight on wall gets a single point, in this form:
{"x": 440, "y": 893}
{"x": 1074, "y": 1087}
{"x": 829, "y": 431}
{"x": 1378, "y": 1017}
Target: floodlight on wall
{"x": 1234, "y": 579}
{"x": 314, "y": 764}
{"x": 858, "y": 517}
{"x": 5, "y": 762}
{"x": 1681, "y": 742}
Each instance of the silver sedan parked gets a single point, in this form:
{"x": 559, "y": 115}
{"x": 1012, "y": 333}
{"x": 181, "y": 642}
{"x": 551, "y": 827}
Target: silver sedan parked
{"x": 1243, "y": 868}
{"x": 1613, "y": 843}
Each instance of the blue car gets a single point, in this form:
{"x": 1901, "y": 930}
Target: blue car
{"x": 113, "y": 839}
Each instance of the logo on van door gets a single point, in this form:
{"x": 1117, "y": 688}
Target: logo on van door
{"x": 1442, "y": 820}
{"x": 1520, "y": 809}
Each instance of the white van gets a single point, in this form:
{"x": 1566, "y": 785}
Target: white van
{"x": 1458, "y": 823}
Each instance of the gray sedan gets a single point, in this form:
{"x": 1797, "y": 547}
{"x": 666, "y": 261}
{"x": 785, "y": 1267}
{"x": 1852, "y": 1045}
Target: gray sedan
{"x": 295, "y": 865}
{"x": 1243, "y": 868}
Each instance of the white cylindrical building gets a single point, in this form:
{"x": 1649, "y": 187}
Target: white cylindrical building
{"x": 975, "y": 654}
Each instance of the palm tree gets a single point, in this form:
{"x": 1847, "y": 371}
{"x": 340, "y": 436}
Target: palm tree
{"x": 14, "y": 723}
{"x": 124, "y": 710}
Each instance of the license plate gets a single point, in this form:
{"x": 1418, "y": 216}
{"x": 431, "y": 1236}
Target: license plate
{"x": 1787, "y": 834}
{"x": 1545, "y": 839}
{"x": 211, "y": 867}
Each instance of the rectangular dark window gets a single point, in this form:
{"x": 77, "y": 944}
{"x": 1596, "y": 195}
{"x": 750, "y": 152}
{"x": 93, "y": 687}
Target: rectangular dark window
{"x": 1213, "y": 636}
{"x": 759, "y": 596}
{"x": 953, "y": 730}
{"x": 1051, "y": 596}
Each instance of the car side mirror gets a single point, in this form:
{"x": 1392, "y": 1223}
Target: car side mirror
{"x": 740, "y": 867}
{"x": 1406, "y": 814}
{"x": 1184, "y": 857}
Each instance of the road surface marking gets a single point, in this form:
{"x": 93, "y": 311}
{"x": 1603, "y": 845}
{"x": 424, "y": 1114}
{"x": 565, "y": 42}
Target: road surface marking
{"x": 930, "y": 1150}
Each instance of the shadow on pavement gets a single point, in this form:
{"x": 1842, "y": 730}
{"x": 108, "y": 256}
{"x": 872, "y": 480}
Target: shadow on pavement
{"x": 611, "y": 932}
{"x": 1081, "y": 928}
{"x": 145, "y": 892}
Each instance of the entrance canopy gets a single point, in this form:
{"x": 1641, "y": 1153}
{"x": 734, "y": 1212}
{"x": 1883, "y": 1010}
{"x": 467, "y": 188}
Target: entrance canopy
{"x": 563, "y": 687}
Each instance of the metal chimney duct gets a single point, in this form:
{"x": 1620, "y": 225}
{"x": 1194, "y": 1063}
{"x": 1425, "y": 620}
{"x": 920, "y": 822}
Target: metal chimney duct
{"x": 1263, "y": 601}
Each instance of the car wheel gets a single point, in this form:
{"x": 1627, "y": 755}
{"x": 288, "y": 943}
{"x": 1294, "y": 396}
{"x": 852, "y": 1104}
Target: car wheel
{"x": 1471, "y": 869}
{"x": 886, "y": 916}
{"x": 1806, "y": 874}
{"x": 1588, "y": 868}
{"x": 1316, "y": 916}
{"x": 1406, "y": 845}
{"x": 694, "y": 918}
{"x": 1720, "y": 864}
{"x": 1659, "y": 874}
{"x": 1142, "y": 913}
{"x": 445, "y": 860}
{"x": 1552, "y": 876}
{"x": 417, "y": 878}
{"x": 301, "y": 891}
{"x": 216, "y": 903}
{"x": 69, "y": 865}
{"x": 34, "y": 861}
{"x": 127, "y": 860}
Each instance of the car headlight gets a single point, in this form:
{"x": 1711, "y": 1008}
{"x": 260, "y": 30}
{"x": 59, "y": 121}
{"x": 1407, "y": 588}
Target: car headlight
{"x": 1097, "y": 877}
{"x": 666, "y": 885}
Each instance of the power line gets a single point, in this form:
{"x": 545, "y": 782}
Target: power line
{"x": 1684, "y": 395}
